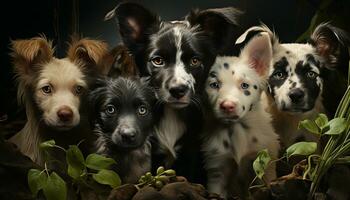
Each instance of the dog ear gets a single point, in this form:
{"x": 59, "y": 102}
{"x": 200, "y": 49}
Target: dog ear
{"x": 253, "y": 31}
{"x": 87, "y": 52}
{"x": 28, "y": 54}
{"x": 220, "y": 23}
{"x": 258, "y": 53}
{"x": 330, "y": 43}
{"x": 136, "y": 24}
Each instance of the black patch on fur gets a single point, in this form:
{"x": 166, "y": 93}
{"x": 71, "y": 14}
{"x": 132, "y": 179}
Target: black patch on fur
{"x": 226, "y": 65}
{"x": 279, "y": 66}
{"x": 243, "y": 107}
{"x": 233, "y": 72}
{"x": 254, "y": 140}
{"x": 255, "y": 87}
{"x": 251, "y": 107}
{"x": 226, "y": 144}
{"x": 293, "y": 85}
{"x": 311, "y": 58}
{"x": 246, "y": 92}
{"x": 212, "y": 74}
{"x": 287, "y": 52}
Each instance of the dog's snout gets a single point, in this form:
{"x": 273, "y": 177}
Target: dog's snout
{"x": 65, "y": 114}
{"x": 128, "y": 134}
{"x": 178, "y": 91}
{"x": 228, "y": 106}
{"x": 296, "y": 95}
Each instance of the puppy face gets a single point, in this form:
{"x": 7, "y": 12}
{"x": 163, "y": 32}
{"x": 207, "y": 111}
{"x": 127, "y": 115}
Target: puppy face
{"x": 234, "y": 84}
{"x": 123, "y": 115}
{"x": 60, "y": 84}
{"x": 295, "y": 80}
{"x": 176, "y": 61}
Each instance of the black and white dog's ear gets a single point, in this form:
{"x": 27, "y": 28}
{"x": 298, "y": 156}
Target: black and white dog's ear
{"x": 136, "y": 24}
{"x": 331, "y": 43}
{"x": 220, "y": 23}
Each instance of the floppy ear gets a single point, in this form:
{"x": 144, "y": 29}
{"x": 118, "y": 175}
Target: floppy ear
{"x": 136, "y": 24}
{"x": 330, "y": 43}
{"x": 28, "y": 54}
{"x": 258, "y": 53}
{"x": 87, "y": 52}
{"x": 220, "y": 23}
{"x": 253, "y": 31}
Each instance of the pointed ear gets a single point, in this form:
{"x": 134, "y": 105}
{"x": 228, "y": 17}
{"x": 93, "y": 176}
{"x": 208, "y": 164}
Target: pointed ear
{"x": 220, "y": 23}
{"x": 136, "y": 24}
{"x": 258, "y": 53}
{"x": 330, "y": 43}
{"x": 28, "y": 54}
{"x": 87, "y": 51}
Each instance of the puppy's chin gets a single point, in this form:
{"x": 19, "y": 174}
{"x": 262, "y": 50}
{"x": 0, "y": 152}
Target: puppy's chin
{"x": 295, "y": 109}
{"x": 178, "y": 103}
{"x": 226, "y": 118}
{"x": 60, "y": 126}
{"x": 120, "y": 146}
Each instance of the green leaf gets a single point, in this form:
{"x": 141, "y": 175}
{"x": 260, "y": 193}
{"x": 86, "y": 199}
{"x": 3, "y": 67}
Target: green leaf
{"x": 336, "y": 126}
{"x": 75, "y": 160}
{"x": 36, "y": 180}
{"x": 107, "y": 177}
{"x": 261, "y": 163}
{"x": 321, "y": 120}
{"x": 55, "y": 188}
{"x": 98, "y": 162}
{"x": 47, "y": 144}
{"x": 301, "y": 148}
{"x": 309, "y": 126}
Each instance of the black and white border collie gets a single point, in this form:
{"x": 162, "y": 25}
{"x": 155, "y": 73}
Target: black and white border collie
{"x": 237, "y": 126}
{"x": 122, "y": 117}
{"x": 302, "y": 74}
{"x": 175, "y": 56}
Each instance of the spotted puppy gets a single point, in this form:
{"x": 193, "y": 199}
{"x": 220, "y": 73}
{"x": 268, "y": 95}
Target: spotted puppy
{"x": 302, "y": 74}
{"x": 237, "y": 126}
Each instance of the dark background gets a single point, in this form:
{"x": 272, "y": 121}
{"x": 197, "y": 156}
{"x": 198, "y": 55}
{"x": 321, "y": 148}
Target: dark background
{"x": 58, "y": 19}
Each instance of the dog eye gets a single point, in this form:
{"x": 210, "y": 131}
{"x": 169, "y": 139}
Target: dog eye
{"x": 79, "y": 89}
{"x": 311, "y": 74}
{"x": 142, "y": 110}
{"x": 157, "y": 61}
{"x": 214, "y": 85}
{"x": 46, "y": 89}
{"x": 195, "y": 62}
{"x": 279, "y": 75}
{"x": 244, "y": 85}
{"x": 110, "y": 109}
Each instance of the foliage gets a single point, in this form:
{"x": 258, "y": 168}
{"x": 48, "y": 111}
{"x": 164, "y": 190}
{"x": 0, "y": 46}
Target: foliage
{"x": 159, "y": 180}
{"x": 95, "y": 169}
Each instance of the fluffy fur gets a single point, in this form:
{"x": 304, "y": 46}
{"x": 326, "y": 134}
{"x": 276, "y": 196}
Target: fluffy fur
{"x": 52, "y": 90}
{"x": 237, "y": 126}
{"x": 122, "y": 117}
{"x": 298, "y": 78}
{"x": 175, "y": 56}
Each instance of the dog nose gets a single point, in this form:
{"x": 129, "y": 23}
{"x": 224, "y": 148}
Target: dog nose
{"x": 128, "y": 134}
{"x": 65, "y": 114}
{"x": 178, "y": 91}
{"x": 228, "y": 106}
{"x": 296, "y": 95}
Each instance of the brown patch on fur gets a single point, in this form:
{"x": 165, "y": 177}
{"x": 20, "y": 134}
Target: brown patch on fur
{"x": 88, "y": 52}
{"x": 119, "y": 62}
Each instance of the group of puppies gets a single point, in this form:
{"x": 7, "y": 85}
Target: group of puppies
{"x": 191, "y": 94}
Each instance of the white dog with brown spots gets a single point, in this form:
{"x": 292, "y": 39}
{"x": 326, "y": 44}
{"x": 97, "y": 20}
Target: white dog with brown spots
{"x": 237, "y": 126}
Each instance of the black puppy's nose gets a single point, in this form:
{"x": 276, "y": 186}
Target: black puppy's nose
{"x": 178, "y": 91}
{"x": 296, "y": 95}
{"x": 128, "y": 134}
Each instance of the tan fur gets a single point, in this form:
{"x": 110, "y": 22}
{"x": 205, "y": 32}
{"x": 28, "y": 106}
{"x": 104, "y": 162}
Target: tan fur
{"x": 36, "y": 67}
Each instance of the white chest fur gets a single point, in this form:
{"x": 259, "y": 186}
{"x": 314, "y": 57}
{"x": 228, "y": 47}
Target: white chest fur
{"x": 169, "y": 130}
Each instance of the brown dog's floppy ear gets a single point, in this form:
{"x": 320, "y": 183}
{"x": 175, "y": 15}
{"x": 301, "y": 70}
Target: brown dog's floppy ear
{"x": 330, "y": 43}
{"x": 28, "y": 54}
{"x": 87, "y": 52}
{"x": 220, "y": 23}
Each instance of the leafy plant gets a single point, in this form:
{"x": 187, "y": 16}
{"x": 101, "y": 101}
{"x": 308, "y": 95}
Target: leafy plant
{"x": 83, "y": 173}
{"x": 159, "y": 180}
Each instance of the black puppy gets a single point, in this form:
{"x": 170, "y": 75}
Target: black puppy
{"x": 176, "y": 56}
{"x": 122, "y": 118}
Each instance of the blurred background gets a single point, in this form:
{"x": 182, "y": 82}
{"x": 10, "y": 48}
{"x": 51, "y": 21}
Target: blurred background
{"x": 58, "y": 19}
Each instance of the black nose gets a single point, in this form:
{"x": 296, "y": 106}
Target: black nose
{"x": 296, "y": 95}
{"x": 178, "y": 91}
{"x": 128, "y": 134}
